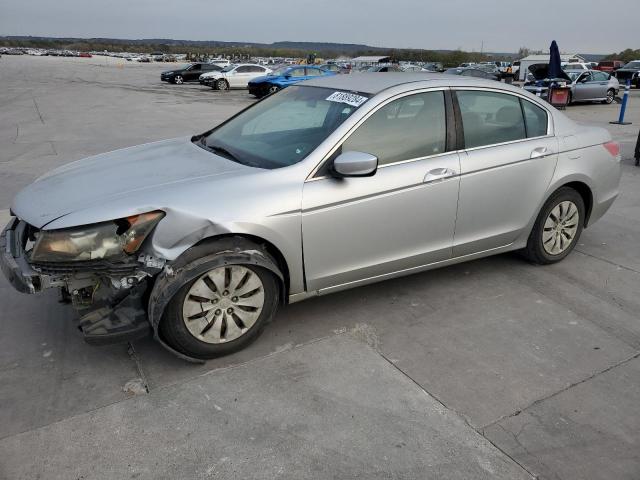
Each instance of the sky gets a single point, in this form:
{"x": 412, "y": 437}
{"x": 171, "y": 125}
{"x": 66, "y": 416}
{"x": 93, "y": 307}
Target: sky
{"x": 585, "y": 26}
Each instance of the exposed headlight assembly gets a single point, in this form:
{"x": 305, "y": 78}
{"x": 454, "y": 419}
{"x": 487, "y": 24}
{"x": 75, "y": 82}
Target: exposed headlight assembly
{"x": 94, "y": 242}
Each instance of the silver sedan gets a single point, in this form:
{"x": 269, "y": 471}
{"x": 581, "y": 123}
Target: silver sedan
{"x": 327, "y": 185}
{"x": 586, "y": 86}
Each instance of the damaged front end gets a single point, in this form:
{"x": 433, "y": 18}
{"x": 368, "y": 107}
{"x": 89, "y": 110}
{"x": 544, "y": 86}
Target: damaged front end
{"x": 99, "y": 268}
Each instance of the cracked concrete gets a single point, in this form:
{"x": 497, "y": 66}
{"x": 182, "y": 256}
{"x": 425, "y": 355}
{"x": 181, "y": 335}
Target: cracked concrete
{"x": 490, "y": 369}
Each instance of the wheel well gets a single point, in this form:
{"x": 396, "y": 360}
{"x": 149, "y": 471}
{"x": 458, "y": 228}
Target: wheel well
{"x": 271, "y": 250}
{"x": 587, "y": 197}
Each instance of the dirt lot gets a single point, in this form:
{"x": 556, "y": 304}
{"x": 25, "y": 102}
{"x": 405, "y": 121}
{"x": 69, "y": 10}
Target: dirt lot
{"x": 490, "y": 369}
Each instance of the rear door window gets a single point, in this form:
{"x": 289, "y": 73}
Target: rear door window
{"x": 489, "y": 118}
{"x": 535, "y": 119}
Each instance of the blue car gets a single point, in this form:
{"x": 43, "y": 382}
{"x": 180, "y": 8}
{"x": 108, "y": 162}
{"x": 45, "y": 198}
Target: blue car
{"x": 283, "y": 77}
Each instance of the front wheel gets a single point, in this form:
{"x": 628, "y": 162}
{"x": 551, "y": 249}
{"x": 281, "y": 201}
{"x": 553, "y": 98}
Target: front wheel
{"x": 273, "y": 89}
{"x": 557, "y": 228}
{"x": 222, "y": 310}
{"x": 222, "y": 84}
{"x": 178, "y": 80}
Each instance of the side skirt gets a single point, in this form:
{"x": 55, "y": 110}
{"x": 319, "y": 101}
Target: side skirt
{"x": 298, "y": 297}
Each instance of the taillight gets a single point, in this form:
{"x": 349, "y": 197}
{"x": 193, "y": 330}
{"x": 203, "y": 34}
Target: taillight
{"x": 613, "y": 148}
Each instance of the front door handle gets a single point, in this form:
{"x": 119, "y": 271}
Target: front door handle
{"x": 438, "y": 174}
{"x": 539, "y": 152}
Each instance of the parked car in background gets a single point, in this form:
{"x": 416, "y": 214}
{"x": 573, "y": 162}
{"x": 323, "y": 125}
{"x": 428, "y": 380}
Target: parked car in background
{"x": 413, "y": 68}
{"x": 383, "y": 69}
{"x": 233, "y": 76}
{"x": 586, "y": 85}
{"x": 609, "y": 65}
{"x": 576, "y": 66}
{"x": 84, "y": 55}
{"x": 188, "y": 73}
{"x": 335, "y": 68}
{"x": 502, "y": 66}
{"x": 630, "y": 71}
{"x": 473, "y": 72}
{"x": 283, "y": 77}
{"x": 331, "y": 184}
{"x": 223, "y": 62}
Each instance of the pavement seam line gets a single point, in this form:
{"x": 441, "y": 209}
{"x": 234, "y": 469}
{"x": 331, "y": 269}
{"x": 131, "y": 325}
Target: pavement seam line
{"x": 455, "y": 412}
{"x": 37, "y": 109}
{"x": 533, "y": 283}
{"x": 133, "y": 397}
{"x": 607, "y": 261}
{"x": 562, "y": 390}
{"x": 134, "y": 357}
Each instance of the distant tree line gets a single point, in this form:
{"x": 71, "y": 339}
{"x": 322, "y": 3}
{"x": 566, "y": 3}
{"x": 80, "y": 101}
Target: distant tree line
{"x": 625, "y": 55}
{"x": 447, "y": 58}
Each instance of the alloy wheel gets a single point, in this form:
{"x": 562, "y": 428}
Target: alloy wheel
{"x": 560, "y": 228}
{"x": 223, "y": 304}
{"x": 273, "y": 89}
{"x": 222, "y": 84}
{"x": 178, "y": 80}
{"x": 611, "y": 95}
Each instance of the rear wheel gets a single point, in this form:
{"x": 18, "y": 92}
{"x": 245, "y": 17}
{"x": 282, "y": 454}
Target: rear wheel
{"x": 178, "y": 80}
{"x": 557, "y": 228}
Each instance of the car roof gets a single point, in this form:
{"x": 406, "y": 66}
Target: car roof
{"x": 374, "y": 83}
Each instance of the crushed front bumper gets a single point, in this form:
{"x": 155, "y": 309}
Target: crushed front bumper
{"x": 110, "y": 300}
{"x": 14, "y": 265}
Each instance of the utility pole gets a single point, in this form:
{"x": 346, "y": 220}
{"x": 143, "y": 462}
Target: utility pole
{"x": 481, "y": 47}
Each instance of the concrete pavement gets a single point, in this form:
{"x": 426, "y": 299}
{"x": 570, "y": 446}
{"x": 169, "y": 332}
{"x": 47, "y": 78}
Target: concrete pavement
{"x": 493, "y": 368}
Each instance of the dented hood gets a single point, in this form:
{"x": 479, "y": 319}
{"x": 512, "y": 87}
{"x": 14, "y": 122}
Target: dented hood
{"x": 102, "y": 178}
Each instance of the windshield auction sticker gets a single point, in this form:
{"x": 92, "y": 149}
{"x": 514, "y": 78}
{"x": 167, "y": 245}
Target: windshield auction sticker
{"x": 348, "y": 98}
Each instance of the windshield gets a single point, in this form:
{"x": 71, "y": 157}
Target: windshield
{"x": 634, "y": 64}
{"x": 228, "y": 68}
{"x": 573, "y": 75}
{"x": 284, "y": 128}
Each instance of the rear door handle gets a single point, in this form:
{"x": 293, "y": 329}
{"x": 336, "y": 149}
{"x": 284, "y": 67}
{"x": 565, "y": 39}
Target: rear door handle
{"x": 539, "y": 152}
{"x": 438, "y": 174}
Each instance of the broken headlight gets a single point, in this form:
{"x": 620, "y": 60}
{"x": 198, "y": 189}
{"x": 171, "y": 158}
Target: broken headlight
{"x": 94, "y": 242}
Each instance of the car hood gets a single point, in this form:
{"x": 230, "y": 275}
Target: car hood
{"x": 211, "y": 74}
{"x": 103, "y": 178}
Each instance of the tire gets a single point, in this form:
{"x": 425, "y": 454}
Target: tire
{"x": 221, "y": 84}
{"x": 272, "y": 89}
{"x": 547, "y": 241}
{"x": 611, "y": 96}
{"x": 570, "y": 101}
{"x": 227, "y": 327}
{"x": 178, "y": 80}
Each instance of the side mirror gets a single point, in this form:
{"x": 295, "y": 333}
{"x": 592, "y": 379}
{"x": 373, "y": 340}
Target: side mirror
{"x": 355, "y": 164}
